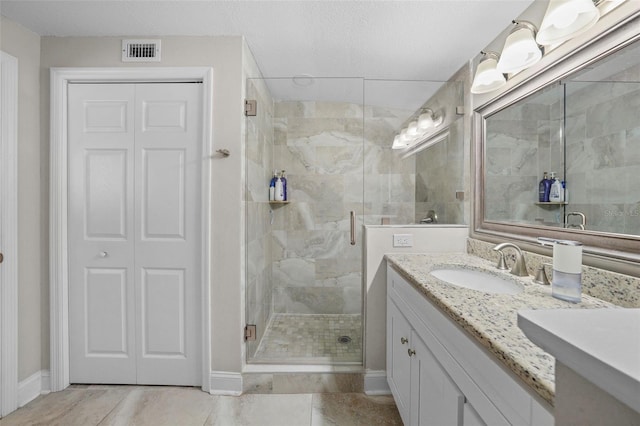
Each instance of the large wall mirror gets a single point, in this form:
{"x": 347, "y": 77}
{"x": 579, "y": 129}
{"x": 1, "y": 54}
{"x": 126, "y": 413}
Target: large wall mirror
{"x": 584, "y": 127}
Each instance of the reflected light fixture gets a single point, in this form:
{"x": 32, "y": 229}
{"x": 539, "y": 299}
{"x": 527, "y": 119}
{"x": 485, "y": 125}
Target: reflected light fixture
{"x": 398, "y": 143}
{"x": 402, "y": 140}
{"x": 520, "y": 49}
{"x": 412, "y": 129}
{"x": 565, "y": 19}
{"x": 488, "y": 78}
{"x": 428, "y": 120}
{"x": 418, "y": 131}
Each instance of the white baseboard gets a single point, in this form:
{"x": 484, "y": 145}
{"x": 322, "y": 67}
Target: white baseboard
{"x": 224, "y": 383}
{"x": 375, "y": 383}
{"x": 33, "y": 386}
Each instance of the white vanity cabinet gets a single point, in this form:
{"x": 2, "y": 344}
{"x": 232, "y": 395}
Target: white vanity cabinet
{"x": 424, "y": 393}
{"x": 439, "y": 376}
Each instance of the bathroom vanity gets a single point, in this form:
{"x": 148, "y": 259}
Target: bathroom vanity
{"x": 456, "y": 355}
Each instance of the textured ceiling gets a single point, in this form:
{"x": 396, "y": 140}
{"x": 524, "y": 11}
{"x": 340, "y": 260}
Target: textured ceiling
{"x": 395, "y": 40}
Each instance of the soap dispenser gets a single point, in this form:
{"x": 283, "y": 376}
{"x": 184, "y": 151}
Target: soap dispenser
{"x": 566, "y": 283}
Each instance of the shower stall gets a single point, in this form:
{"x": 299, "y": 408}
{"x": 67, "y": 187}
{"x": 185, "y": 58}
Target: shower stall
{"x": 332, "y": 136}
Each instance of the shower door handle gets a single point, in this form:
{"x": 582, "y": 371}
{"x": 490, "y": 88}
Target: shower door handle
{"x": 353, "y": 228}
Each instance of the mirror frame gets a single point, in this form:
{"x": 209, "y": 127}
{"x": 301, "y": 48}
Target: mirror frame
{"x": 616, "y": 32}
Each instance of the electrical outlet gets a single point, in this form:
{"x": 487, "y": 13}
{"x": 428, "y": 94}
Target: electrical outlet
{"x": 403, "y": 240}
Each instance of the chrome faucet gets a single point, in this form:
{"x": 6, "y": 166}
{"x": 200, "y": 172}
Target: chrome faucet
{"x": 431, "y": 217}
{"x": 581, "y": 225}
{"x": 519, "y": 268}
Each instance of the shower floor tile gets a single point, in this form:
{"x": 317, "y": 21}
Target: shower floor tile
{"x": 320, "y": 339}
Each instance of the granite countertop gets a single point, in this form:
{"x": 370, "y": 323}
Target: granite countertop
{"x": 492, "y": 319}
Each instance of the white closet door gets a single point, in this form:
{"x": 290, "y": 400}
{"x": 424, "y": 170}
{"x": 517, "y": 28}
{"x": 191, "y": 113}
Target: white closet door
{"x": 101, "y": 234}
{"x": 135, "y": 233}
{"x": 168, "y": 238}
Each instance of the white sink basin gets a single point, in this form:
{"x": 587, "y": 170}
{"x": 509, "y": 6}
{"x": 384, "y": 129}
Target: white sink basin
{"x": 477, "y": 280}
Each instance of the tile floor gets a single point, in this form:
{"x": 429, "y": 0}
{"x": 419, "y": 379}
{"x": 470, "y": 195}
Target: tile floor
{"x": 297, "y": 338}
{"x": 155, "y": 405}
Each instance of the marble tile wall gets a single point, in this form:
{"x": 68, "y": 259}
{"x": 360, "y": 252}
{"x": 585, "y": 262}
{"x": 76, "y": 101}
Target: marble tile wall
{"x": 440, "y": 169}
{"x": 338, "y": 159}
{"x": 389, "y": 179}
{"x": 602, "y": 143}
{"x": 439, "y": 174}
{"x": 523, "y": 141}
{"x": 259, "y": 158}
{"x": 603, "y": 154}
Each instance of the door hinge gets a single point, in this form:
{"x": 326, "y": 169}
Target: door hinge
{"x": 250, "y": 107}
{"x": 250, "y": 332}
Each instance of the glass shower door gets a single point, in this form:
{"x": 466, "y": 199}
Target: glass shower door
{"x": 304, "y": 275}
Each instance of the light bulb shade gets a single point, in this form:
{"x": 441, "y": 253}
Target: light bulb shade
{"x": 425, "y": 121}
{"x": 412, "y": 129}
{"x": 403, "y": 140}
{"x": 487, "y": 78}
{"x": 397, "y": 143}
{"x": 520, "y": 51}
{"x": 566, "y": 19}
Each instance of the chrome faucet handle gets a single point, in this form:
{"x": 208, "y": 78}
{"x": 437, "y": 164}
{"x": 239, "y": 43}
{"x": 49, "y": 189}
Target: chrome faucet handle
{"x": 519, "y": 267}
{"x": 541, "y": 275}
{"x": 502, "y": 264}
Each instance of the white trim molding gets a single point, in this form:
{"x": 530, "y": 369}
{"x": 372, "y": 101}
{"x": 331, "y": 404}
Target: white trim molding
{"x": 9, "y": 234}
{"x": 225, "y": 383}
{"x": 33, "y": 386}
{"x": 59, "y": 274}
{"x": 375, "y": 383}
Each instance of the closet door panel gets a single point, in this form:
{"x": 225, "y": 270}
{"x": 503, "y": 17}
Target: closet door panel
{"x": 101, "y": 243}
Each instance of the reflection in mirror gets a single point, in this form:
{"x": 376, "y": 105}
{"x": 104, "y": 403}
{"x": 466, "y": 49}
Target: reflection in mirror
{"x": 584, "y": 129}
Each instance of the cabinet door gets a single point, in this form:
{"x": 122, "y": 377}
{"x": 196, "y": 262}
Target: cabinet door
{"x": 470, "y": 416}
{"x": 398, "y": 361}
{"x": 435, "y": 399}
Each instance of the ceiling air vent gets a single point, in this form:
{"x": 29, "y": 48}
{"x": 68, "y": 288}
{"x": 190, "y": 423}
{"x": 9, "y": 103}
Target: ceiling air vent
{"x": 140, "y": 50}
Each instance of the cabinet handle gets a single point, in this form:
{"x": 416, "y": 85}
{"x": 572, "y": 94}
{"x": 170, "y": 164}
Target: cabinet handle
{"x": 411, "y": 352}
{"x": 403, "y": 340}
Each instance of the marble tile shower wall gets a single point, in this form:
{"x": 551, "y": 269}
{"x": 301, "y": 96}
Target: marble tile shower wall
{"x": 525, "y": 141}
{"x": 603, "y": 153}
{"x": 439, "y": 174}
{"x": 334, "y": 154}
{"x": 259, "y": 157}
{"x": 440, "y": 169}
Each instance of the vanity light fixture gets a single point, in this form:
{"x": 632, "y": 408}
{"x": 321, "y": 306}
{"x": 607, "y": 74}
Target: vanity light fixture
{"x": 565, "y": 19}
{"x": 520, "y": 49}
{"x": 402, "y": 140}
{"x": 418, "y": 131}
{"x": 412, "y": 129}
{"x": 428, "y": 120}
{"x": 488, "y": 78}
{"x": 399, "y": 143}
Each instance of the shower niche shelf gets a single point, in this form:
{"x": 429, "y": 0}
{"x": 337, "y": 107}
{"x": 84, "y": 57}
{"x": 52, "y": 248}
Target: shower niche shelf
{"x": 279, "y": 202}
{"x": 551, "y": 203}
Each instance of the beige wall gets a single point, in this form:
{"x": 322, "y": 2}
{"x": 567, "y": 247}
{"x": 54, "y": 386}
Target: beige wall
{"x": 25, "y": 46}
{"x": 225, "y": 55}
